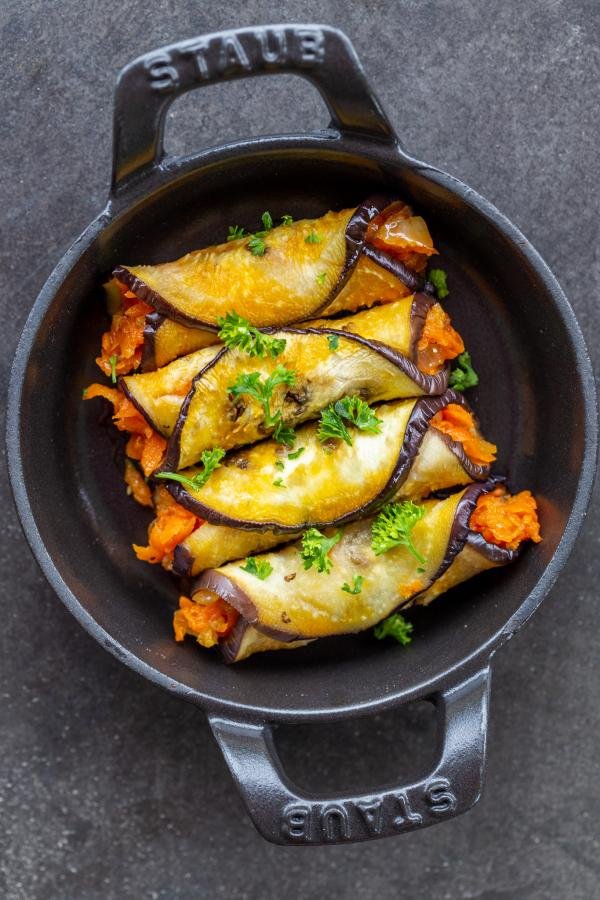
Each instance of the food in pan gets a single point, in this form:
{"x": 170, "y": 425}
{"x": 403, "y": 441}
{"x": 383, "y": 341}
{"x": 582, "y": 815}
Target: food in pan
{"x": 313, "y": 476}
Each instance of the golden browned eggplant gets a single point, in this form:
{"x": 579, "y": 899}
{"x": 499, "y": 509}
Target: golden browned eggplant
{"x": 289, "y": 602}
{"x": 269, "y": 488}
{"x": 292, "y": 272}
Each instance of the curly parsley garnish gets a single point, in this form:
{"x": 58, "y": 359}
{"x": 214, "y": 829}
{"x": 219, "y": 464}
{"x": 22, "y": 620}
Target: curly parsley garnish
{"x": 262, "y": 391}
{"x": 394, "y": 626}
{"x": 357, "y": 583}
{"x": 235, "y": 232}
{"x": 315, "y": 549}
{"x": 113, "y": 360}
{"x": 211, "y": 460}
{"x": 352, "y": 410}
{"x": 267, "y": 220}
{"x": 313, "y": 238}
{"x": 286, "y": 220}
{"x": 333, "y": 341}
{"x": 463, "y": 374}
{"x": 256, "y": 245}
{"x": 321, "y": 278}
{"x": 261, "y": 568}
{"x": 237, "y": 332}
{"x": 296, "y": 453}
{"x": 393, "y": 528}
{"x": 438, "y": 279}
{"x": 279, "y": 483}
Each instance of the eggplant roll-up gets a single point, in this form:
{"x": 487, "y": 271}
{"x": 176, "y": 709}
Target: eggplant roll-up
{"x": 294, "y": 271}
{"x": 404, "y": 449}
{"x": 352, "y": 579}
{"x": 381, "y": 354}
{"x": 141, "y": 338}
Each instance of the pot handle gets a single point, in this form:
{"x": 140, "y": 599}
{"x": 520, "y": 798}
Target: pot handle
{"x": 285, "y": 815}
{"x": 148, "y": 85}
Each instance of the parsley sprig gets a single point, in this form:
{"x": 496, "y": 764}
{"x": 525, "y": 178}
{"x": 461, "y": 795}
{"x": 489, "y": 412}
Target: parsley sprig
{"x": 394, "y": 626}
{"x": 313, "y": 238}
{"x": 333, "y": 342}
{"x": 257, "y": 245}
{"x": 438, "y": 279}
{"x": 211, "y": 460}
{"x": 235, "y": 232}
{"x": 262, "y": 391}
{"x": 348, "y": 409}
{"x": 393, "y": 528}
{"x": 356, "y": 588}
{"x": 237, "y": 332}
{"x": 315, "y": 549}
{"x": 261, "y": 568}
{"x": 463, "y": 374}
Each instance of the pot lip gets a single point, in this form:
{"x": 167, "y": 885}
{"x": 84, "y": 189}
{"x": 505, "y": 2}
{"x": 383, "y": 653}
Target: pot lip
{"x": 373, "y": 152}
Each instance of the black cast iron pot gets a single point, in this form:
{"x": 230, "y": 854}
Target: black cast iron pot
{"x": 536, "y": 400}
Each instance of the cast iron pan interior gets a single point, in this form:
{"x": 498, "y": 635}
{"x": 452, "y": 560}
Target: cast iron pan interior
{"x": 520, "y": 350}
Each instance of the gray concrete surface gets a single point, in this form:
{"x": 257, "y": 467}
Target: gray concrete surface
{"x": 111, "y": 789}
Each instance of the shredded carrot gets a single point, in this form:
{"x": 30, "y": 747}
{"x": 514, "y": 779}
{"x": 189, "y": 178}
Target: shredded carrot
{"x": 173, "y": 523}
{"x": 410, "y": 589}
{"x": 505, "y": 519}
{"x": 439, "y": 341}
{"x": 207, "y": 618}
{"x": 136, "y": 486}
{"x": 145, "y": 444}
{"x": 399, "y": 232}
{"x": 459, "y": 424}
{"x": 125, "y": 338}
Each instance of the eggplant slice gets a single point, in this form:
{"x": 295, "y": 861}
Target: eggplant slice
{"x": 209, "y": 546}
{"x": 211, "y": 416}
{"x": 166, "y": 340}
{"x": 263, "y": 489}
{"x": 307, "y": 269}
{"x": 293, "y": 604}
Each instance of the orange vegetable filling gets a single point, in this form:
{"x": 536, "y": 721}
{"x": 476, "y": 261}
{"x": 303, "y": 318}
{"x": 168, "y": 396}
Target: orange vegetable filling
{"x": 136, "y": 486}
{"x": 145, "y": 444}
{"x": 399, "y": 232}
{"x": 439, "y": 341}
{"x": 208, "y": 618}
{"x": 125, "y": 338}
{"x": 173, "y": 523}
{"x": 459, "y": 424}
{"x": 505, "y": 519}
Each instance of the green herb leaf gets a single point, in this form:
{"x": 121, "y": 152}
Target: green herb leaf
{"x": 296, "y": 453}
{"x": 211, "y": 460}
{"x": 356, "y": 588}
{"x": 463, "y": 375}
{"x": 333, "y": 341}
{"x": 256, "y": 245}
{"x": 315, "y": 549}
{"x": 353, "y": 410}
{"x": 279, "y": 483}
{"x": 321, "y": 278}
{"x": 113, "y": 360}
{"x": 438, "y": 279}
{"x": 261, "y": 568}
{"x": 267, "y": 220}
{"x": 312, "y": 238}
{"x": 331, "y": 425}
{"x": 394, "y": 626}
{"x": 279, "y": 464}
{"x": 83, "y": 393}
{"x": 286, "y": 220}
{"x": 262, "y": 391}
{"x": 235, "y": 232}
{"x": 393, "y": 528}
{"x": 237, "y": 332}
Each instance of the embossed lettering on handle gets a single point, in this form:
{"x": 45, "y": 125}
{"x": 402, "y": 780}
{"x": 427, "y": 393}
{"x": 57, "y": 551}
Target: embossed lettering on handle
{"x": 148, "y": 85}
{"x": 285, "y": 815}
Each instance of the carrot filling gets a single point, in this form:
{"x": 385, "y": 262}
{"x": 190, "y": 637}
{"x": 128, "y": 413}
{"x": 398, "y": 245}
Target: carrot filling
{"x": 145, "y": 444}
{"x": 505, "y": 519}
{"x": 402, "y": 234}
{"x": 121, "y": 348}
{"x": 136, "y": 486}
{"x": 439, "y": 342}
{"x": 459, "y": 424}
{"x": 173, "y": 523}
{"x": 207, "y": 617}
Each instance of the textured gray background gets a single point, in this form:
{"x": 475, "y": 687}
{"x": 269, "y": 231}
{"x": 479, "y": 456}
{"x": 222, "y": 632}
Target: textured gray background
{"x": 110, "y": 788}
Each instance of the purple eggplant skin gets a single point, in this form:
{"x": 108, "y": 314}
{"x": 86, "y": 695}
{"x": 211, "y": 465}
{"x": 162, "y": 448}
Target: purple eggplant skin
{"x": 432, "y": 385}
{"x": 460, "y": 535}
{"x": 356, "y": 245}
{"x": 424, "y": 410}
